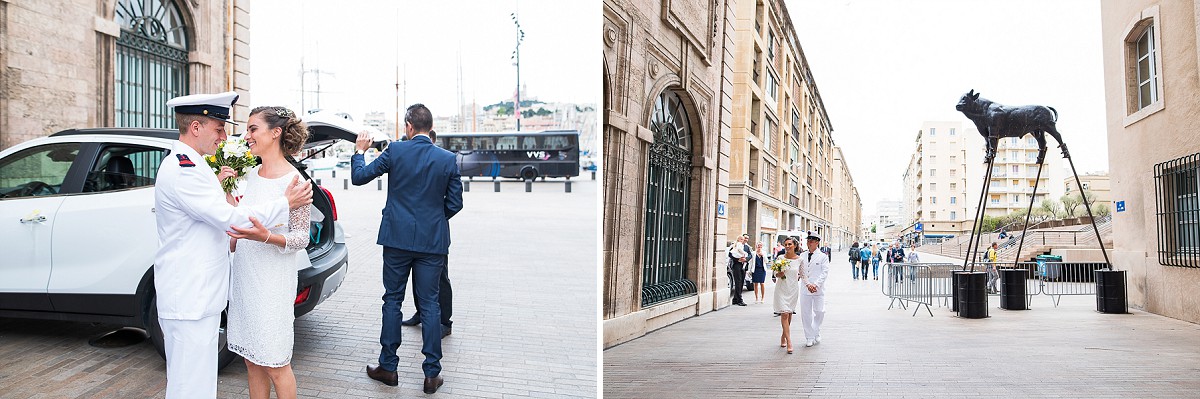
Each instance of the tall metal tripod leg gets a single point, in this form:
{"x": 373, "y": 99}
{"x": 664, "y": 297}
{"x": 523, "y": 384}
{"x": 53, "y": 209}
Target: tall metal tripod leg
{"x": 1032, "y": 197}
{"x": 1088, "y": 206}
{"x": 977, "y": 223}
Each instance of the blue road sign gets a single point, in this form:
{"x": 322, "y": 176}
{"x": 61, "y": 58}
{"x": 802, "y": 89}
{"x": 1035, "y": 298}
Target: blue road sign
{"x": 1120, "y": 206}
{"x": 920, "y": 227}
{"x": 720, "y": 209}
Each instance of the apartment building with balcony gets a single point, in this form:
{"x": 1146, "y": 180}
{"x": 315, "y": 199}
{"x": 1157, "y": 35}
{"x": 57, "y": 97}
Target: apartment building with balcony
{"x": 1015, "y": 171}
{"x": 781, "y": 150}
{"x": 943, "y": 180}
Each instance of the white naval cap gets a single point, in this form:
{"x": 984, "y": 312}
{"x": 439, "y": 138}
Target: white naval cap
{"x": 812, "y": 235}
{"x": 216, "y": 106}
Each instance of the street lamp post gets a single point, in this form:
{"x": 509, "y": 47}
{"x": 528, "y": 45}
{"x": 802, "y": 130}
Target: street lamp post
{"x": 516, "y": 57}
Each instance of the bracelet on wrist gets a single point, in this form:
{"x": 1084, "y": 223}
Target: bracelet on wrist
{"x": 265, "y": 240}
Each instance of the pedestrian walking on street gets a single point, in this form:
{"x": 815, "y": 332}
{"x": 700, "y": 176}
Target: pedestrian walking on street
{"x": 424, "y": 192}
{"x": 896, "y": 257}
{"x": 992, "y": 273}
{"x": 739, "y": 256}
{"x": 855, "y": 255}
{"x": 864, "y": 257}
{"x": 876, "y": 256}
{"x": 787, "y": 289}
{"x": 193, "y": 215}
{"x": 759, "y": 279}
{"x": 813, "y": 271}
{"x": 262, "y": 281}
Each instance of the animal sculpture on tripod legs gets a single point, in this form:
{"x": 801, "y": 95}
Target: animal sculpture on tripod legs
{"x": 996, "y": 121}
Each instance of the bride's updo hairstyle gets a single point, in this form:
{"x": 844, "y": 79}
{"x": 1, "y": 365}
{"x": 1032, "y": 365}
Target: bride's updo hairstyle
{"x": 295, "y": 132}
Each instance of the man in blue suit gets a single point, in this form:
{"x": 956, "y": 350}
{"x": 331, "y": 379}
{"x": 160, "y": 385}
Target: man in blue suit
{"x": 424, "y": 192}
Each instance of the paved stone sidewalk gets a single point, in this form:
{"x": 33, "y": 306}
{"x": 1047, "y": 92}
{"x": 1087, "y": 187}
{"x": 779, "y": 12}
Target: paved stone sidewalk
{"x": 523, "y": 267}
{"x": 870, "y": 351}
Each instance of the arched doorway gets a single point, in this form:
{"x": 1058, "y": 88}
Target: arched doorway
{"x": 668, "y": 184}
{"x": 151, "y": 64}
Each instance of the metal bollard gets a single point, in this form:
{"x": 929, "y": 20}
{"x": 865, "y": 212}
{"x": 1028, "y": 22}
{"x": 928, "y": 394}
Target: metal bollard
{"x": 467, "y": 186}
{"x": 318, "y": 182}
{"x": 379, "y": 184}
{"x": 593, "y": 175}
{"x": 568, "y": 186}
{"x": 333, "y": 173}
{"x": 345, "y": 184}
{"x": 497, "y": 183}
{"x": 529, "y": 186}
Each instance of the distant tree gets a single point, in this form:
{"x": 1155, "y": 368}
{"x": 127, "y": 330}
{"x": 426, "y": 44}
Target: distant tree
{"x": 1070, "y": 205}
{"x": 1101, "y": 210}
{"x": 1048, "y": 209}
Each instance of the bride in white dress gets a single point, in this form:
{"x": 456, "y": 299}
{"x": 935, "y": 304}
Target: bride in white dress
{"x": 262, "y": 283}
{"x": 787, "y": 291}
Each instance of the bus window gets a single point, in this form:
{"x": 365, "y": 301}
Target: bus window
{"x": 529, "y": 143}
{"x": 556, "y": 142}
{"x": 506, "y": 143}
{"x": 458, "y": 143}
{"x": 484, "y": 143}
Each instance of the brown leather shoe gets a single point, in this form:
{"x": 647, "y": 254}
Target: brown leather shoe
{"x": 379, "y": 374}
{"x": 432, "y": 384}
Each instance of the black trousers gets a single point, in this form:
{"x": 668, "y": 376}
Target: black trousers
{"x": 445, "y": 299}
{"x": 739, "y": 280}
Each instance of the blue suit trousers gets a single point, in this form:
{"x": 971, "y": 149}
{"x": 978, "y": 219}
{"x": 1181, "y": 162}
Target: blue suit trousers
{"x": 426, "y": 270}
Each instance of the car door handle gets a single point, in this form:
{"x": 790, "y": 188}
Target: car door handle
{"x": 33, "y": 219}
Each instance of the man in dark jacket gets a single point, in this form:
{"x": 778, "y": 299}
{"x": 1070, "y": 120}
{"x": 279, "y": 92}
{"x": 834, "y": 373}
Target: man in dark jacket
{"x": 739, "y": 256}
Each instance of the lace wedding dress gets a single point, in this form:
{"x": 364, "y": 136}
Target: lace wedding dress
{"x": 262, "y": 281}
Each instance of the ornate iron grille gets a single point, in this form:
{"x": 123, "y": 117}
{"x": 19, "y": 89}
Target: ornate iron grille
{"x": 668, "y": 183}
{"x": 151, "y": 64}
{"x": 1178, "y": 208}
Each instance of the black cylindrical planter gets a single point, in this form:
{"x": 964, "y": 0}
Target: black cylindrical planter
{"x": 954, "y": 289}
{"x": 972, "y": 295}
{"x": 1012, "y": 289}
{"x": 1110, "y": 291}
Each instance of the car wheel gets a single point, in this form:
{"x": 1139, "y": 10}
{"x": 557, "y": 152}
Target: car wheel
{"x": 154, "y": 330}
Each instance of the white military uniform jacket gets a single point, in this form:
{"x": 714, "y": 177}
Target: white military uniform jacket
{"x": 191, "y": 268}
{"x": 813, "y": 270}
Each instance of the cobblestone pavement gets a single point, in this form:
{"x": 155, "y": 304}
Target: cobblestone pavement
{"x": 523, "y": 267}
{"x": 870, "y": 351}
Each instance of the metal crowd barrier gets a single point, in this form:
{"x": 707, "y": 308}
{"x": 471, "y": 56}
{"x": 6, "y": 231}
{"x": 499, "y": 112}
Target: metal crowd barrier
{"x": 919, "y": 283}
{"x": 922, "y": 283}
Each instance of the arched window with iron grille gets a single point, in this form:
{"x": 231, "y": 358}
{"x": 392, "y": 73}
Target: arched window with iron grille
{"x": 152, "y": 61}
{"x": 668, "y": 183}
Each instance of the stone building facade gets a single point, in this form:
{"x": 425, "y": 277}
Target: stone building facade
{"x": 94, "y": 63}
{"x": 782, "y": 154}
{"x": 666, "y": 158}
{"x": 1151, "y": 77}
{"x": 847, "y": 205}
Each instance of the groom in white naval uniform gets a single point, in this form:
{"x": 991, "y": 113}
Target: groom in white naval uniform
{"x": 814, "y": 268}
{"x": 191, "y": 268}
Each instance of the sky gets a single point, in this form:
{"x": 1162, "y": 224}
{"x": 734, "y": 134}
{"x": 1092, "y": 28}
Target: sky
{"x": 884, "y": 67}
{"x": 358, "y": 45}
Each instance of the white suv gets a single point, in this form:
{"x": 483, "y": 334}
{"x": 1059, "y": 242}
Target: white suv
{"x": 79, "y": 237}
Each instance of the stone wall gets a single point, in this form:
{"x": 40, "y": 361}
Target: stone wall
{"x": 56, "y": 68}
{"x": 651, "y": 46}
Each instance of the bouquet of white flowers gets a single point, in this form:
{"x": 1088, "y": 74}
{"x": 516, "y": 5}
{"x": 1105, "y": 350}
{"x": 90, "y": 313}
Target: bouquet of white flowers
{"x": 778, "y": 265}
{"x": 235, "y": 154}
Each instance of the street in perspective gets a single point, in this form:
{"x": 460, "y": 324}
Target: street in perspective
{"x": 872, "y": 347}
{"x": 523, "y": 273}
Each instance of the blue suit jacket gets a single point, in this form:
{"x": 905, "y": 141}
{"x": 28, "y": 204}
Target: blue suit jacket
{"x": 424, "y": 192}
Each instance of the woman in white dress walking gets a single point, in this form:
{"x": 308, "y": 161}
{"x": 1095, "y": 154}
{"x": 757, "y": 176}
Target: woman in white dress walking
{"x": 262, "y": 283}
{"x": 787, "y": 291}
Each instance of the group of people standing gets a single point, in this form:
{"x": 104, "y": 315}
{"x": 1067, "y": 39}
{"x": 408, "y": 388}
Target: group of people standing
{"x": 873, "y": 254}
{"x": 219, "y": 250}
